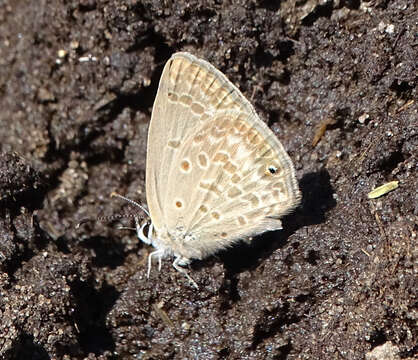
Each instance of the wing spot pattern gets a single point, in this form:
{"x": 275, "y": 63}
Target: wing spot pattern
{"x": 210, "y": 187}
{"x": 273, "y": 170}
{"x": 279, "y": 186}
{"x": 217, "y": 131}
{"x": 234, "y": 192}
{"x": 185, "y": 166}
{"x": 235, "y": 178}
{"x": 174, "y": 144}
{"x": 221, "y": 156}
{"x": 241, "y": 126}
{"x": 207, "y": 84}
{"x": 205, "y": 116}
{"x": 199, "y": 138}
{"x": 261, "y": 171}
{"x": 251, "y": 135}
{"x": 241, "y": 220}
{"x": 172, "y": 96}
{"x": 192, "y": 77}
{"x": 203, "y": 160}
{"x": 267, "y": 152}
{"x": 217, "y": 93}
{"x": 233, "y": 131}
{"x": 230, "y": 167}
{"x": 186, "y": 100}
{"x": 175, "y": 67}
{"x": 253, "y": 199}
{"x": 255, "y": 140}
{"x": 197, "y": 108}
{"x": 278, "y": 195}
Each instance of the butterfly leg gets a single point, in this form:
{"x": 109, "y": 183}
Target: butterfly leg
{"x": 184, "y": 261}
{"x": 158, "y": 253}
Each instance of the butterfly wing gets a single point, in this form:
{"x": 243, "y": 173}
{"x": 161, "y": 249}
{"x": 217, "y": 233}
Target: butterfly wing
{"x": 182, "y": 104}
{"x": 214, "y": 169}
{"x": 170, "y": 123}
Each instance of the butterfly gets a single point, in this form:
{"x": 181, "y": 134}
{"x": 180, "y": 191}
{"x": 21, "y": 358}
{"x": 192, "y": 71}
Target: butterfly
{"x": 215, "y": 173}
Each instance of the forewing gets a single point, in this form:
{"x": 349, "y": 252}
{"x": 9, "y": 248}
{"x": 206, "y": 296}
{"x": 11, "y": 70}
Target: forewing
{"x": 172, "y": 120}
{"x": 190, "y": 92}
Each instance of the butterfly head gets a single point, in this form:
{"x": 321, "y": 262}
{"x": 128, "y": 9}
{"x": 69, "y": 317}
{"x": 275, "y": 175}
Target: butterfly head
{"x": 176, "y": 242}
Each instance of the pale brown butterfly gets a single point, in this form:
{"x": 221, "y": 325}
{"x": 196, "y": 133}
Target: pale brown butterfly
{"x": 215, "y": 172}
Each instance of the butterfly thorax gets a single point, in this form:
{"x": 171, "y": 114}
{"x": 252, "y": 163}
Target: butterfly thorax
{"x": 176, "y": 242}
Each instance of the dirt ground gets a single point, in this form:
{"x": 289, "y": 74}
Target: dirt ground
{"x": 77, "y": 84}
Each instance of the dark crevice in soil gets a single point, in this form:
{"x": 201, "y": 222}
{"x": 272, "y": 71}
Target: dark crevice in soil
{"x": 28, "y": 348}
{"x": 286, "y": 50}
{"x": 377, "y": 338}
{"x": 390, "y": 162}
{"x": 409, "y": 354}
{"x": 272, "y": 323}
{"x": 403, "y": 89}
{"x": 263, "y": 58}
{"x": 321, "y": 10}
{"x": 90, "y": 315}
{"x": 27, "y": 249}
{"x": 273, "y": 5}
{"x": 313, "y": 257}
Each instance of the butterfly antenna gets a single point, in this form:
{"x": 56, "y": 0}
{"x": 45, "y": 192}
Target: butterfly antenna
{"x": 104, "y": 219}
{"x": 115, "y": 194}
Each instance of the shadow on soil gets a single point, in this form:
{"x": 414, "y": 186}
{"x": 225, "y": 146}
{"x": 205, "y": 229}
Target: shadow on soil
{"x": 317, "y": 199}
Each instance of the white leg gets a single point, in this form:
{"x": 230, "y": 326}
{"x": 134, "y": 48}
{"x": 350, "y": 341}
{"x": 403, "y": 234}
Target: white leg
{"x": 183, "y": 261}
{"x": 154, "y": 253}
{"x": 176, "y": 266}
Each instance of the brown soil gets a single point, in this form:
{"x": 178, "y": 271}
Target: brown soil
{"x": 77, "y": 83}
